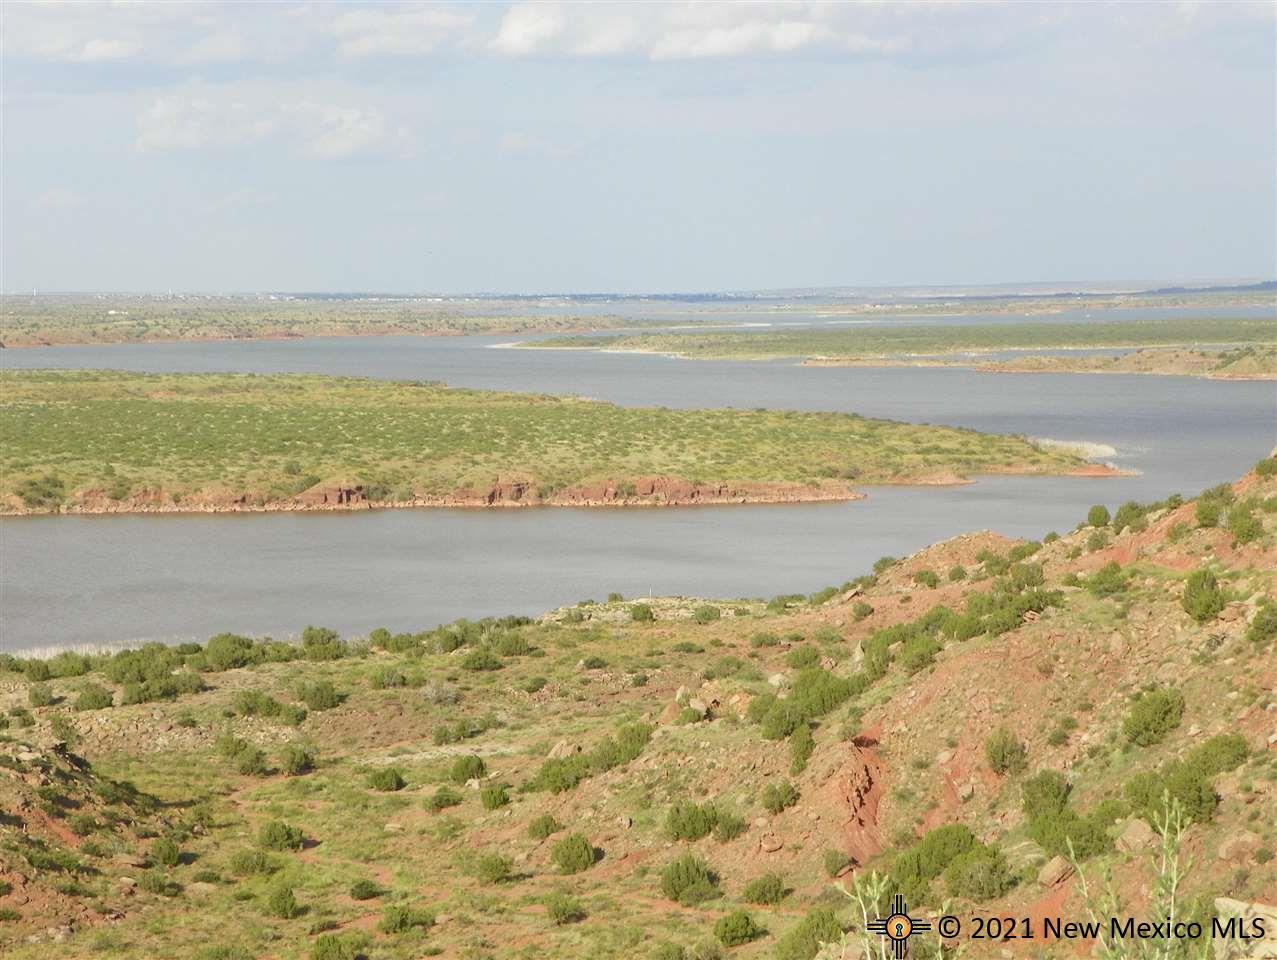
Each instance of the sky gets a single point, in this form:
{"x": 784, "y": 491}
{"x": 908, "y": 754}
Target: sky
{"x": 655, "y": 147}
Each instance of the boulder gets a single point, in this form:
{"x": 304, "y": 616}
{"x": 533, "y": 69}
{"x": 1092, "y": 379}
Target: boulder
{"x": 1238, "y": 846}
{"x": 770, "y": 843}
{"x": 1055, "y": 871}
{"x": 1234, "y": 948}
{"x": 563, "y": 749}
{"x": 778, "y": 680}
{"x": 1137, "y": 837}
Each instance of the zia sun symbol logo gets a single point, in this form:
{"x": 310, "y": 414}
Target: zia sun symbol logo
{"x": 898, "y": 927}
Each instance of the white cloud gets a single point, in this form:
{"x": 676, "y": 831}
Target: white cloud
{"x": 403, "y": 32}
{"x": 213, "y": 118}
{"x": 181, "y": 122}
{"x": 680, "y": 31}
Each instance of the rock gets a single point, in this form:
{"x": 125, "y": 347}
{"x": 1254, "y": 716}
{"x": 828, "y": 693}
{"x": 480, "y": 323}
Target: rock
{"x": 699, "y": 705}
{"x": 201, "y": 889}
{"x": 770, "y": 843}
{"x": 126, "y": 884}
{"x": 966, "y": 791}
{"x": 563, "y": 749}
{"x": 943, "y": 757}
{"x": 625, "y": 822}
{"x": 778, "y": 680}
{"x": 857, "y": 654}
{"x": 681, "y": 694}
{"x": 1249, "y": 914}
{"x": 1238, "y": 846}
{"x": 1055, "y": 871}
{"x": 1137, "y": 837}
{"x": 670, "y": 713}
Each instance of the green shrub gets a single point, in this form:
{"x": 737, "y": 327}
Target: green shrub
{"x": 979, "y": 874}
{"x": 802, "y": 657}
{"x": 480, "y": 660}
{"x": 364, "y": 890}
{"x": 40, "y": 695}
{"x": 767, "y": 889}
{"x": 641, "y": 613}
{"x": 1208, "y": 512}
{"x": 165, "y": 852}
{"x": 736, "y": 928}
{"x": 281, "y": 903}
{"x": 494, "y": 797}
{"x": 918, "y": 653}
{"x": 467, "y": 768}
{"x": 1203, "y": 599}
{"x": 801, "y": 747}
{"x": 573, "y": 854}
{"x": 1098, "y": 516}
{"x": 1267, "y": 467}
{"x": 1263, "y": 628}
{"x": 277, "y": 835}
{"x": 835, "y": 862}
{"x": 562, "y": 909}
{"x": 1110, "y": 579}
{"x": 333, "y": 946}
{"x": 398, "y": 918}
{"x": 296, "y": 760}
{"x": 1044, "y": 795}
{"x": 860, "y": 610}
{"x": 493, "y": 868}
{"x": 387, "y": 779}
{"x": 957, "y": 573}
{"x": 1154, "y": 714}
{"x": 804, "y": 940}
{"x": 1005, "y": 752}
{"x": 778, "y": 796}
{"x": 729, "y": 827}
{"x": 247, "y": 863}
{"x": 227, "y": 651}
{"x": 321, "y": 695}
{"x": 764, "y": 638}
{"x": 690, "y": 821}
{"x": 689, "y": 880}
{"x": 913, "y": 870}
{"x": 543, "y": 826}
{"x": 926, "y": 578}
{"x": 706, "y": 613}
{"x": 94, "y": 697}
{"x": 442, "y": 799}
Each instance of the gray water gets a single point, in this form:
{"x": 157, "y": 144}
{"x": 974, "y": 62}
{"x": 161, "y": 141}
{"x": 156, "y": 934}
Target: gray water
{"x": 99, "y": 580}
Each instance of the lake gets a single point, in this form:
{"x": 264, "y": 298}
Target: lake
{"x": 104, "y": 580}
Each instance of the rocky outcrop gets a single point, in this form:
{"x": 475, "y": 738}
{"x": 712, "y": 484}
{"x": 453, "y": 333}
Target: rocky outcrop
{"x": 860, "y": 789}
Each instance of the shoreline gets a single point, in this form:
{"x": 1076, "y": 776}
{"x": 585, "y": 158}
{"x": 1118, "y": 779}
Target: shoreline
{"x": 739, "y": 496}
{"x": 962, "y": 359}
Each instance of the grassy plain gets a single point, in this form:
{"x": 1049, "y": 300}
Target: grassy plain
{"x": 34, "y": 321}
{"x": 855, "y": 342}
{"x": 78, "y": 436}
{"x": 950, "y": 724}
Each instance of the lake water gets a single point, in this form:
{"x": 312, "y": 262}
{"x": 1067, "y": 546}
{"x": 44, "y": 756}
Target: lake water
{"x": 91, "y": 580}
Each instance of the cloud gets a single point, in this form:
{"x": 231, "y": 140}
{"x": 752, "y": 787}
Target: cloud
{"x": 182, "y": 122}
{"x": 919, "y": 31}
{"x": 214, "y": 118}
{"x": 402, "y": 32}
{"x": 682, "y": 31}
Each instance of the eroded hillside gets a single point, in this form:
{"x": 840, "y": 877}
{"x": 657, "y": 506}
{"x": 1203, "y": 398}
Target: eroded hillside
{"x": 672, "y": 778}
